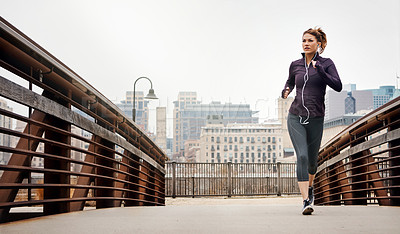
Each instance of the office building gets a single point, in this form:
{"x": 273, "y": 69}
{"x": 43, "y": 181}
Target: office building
{"x": 241, "y": 143}
{"x": 190, "y": 115}
{"x": 383, "y": 95}
{"x": 161, "y": 128}
{"x": 348, "y": 101}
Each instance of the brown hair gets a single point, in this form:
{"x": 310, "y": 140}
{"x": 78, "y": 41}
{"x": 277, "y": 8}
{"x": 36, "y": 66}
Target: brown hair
{"x": 320, "y": 35}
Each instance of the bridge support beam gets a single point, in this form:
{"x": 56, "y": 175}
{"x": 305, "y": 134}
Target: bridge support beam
{"x": 49, "y": 163}
{"x": 105, "y": 172}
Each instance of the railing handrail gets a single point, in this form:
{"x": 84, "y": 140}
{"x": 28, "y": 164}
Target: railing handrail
{"x": 362, "y": 120}
{"x": 99, "y": 155}
{"x": 73, "y": 78}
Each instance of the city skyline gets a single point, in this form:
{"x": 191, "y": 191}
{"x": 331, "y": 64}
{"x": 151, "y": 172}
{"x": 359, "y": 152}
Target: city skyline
{"x": 212, "y": 47}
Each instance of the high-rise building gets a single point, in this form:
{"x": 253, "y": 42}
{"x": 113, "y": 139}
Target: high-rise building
{"x": 5, "y": 140}
{"x": 348, "y": 101}
{"x": 141, "y": 106}
{"x": 190, "y": 116}
{"x": 184, "y": 99}
{"x": 161, "y": 128}
{"x": 383, "y": 95}
{"x": 335, "y": 103}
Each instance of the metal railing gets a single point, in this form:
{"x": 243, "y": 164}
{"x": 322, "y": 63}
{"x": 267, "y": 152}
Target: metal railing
{"x": 230, "y": 179}
{"x": 118, "y": 163}
{"x": 361, "y": 165}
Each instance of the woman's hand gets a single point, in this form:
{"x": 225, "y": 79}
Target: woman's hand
{"x": 313, "y": 63}
{"x": 286, "y": 93}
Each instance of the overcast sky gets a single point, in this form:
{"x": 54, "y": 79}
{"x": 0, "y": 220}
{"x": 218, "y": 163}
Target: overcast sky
{"x": 235, "y": 51}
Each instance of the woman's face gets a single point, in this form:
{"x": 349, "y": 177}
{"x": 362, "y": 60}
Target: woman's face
{"x": 310, "y": 44}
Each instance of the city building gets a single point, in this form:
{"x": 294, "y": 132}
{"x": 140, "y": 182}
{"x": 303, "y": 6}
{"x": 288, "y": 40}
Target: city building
{"x": 161, "y": 128}
{"x": 334, "y": 126}
{"x": 170, "y": 146}
{"x": 241, "y": 143}
{"x": 350, "y": 100}
{"x": 5, "y": 140}
{"x": 383, "y": 95}
{"x": 192, "y": 150}
{"x": 184, "y": 99}
{"x": 141, "y": 106}
{"x": 190, "y": 115}
{"x": 283, "y": 111}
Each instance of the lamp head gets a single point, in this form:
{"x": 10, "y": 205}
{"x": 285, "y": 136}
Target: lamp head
{"x": 151, "y": 95}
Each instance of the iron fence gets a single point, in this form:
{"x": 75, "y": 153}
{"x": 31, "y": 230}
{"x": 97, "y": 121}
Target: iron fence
{"x": 230, "y": 179}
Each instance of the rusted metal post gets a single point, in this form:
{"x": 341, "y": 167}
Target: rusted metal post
{"x": 192, "y": 186}
{"x": 105, "y": 172}
{"x": 50, "y": 163}
{"x": 229, "y": 179}
{"x": 135, "y": 171}
{"x": 173, "y": 179}
{"x": 278, "y": 166}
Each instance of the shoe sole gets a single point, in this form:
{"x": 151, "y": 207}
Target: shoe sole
{"x": 308, "y": 211}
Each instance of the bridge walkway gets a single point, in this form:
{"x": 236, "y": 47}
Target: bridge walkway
{"x": 218, "y": 215}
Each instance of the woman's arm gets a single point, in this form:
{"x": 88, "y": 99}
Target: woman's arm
{"x": 330, "y": 75}
{"x": 289, "y": 85}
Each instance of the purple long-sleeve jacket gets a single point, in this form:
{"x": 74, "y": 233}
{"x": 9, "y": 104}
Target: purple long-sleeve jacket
{"x": 324, "y": 74}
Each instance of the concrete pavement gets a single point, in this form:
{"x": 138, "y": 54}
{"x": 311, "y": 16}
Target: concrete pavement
{"x": 218, "y": 215}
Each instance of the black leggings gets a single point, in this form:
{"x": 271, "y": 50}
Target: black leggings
{"x": 306, "y": 139}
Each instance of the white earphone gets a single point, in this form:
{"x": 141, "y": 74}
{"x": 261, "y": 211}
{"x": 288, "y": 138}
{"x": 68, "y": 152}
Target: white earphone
{"x": 302, "y": 92}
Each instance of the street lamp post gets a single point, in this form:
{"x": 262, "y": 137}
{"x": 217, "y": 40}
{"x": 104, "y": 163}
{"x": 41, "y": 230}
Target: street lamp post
{"x": 150, "y": 95}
